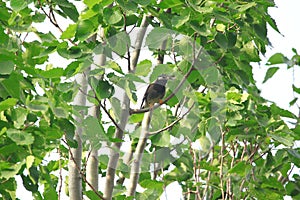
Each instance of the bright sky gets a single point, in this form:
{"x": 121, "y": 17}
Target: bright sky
{"x": 277, "y": 89}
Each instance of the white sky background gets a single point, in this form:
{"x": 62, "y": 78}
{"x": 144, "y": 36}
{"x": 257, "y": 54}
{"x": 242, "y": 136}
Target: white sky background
{"x": 277, "y": 89}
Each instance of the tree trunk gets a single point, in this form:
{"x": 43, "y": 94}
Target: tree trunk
{"x": 138, "y": 155}
{"x": 114, "y": 154}
{"x": 75, "y": 155}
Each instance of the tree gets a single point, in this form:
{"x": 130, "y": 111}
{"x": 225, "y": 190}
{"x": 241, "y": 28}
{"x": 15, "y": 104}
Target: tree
{"x": 214, "y": 135}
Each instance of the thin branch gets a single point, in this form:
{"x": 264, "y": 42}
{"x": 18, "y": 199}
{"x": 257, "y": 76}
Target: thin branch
{"x": 87, "y": 158}
{"x": 101, "y": 105}
{"x": 173, "y": 123}
{"x": 261, "y": 155}
{"x": 52, "y": 20}
{"x": 109, "y": 115}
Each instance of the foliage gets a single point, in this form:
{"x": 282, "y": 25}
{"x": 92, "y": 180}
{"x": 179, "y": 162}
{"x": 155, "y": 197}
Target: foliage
{"x": 246, "y": 147}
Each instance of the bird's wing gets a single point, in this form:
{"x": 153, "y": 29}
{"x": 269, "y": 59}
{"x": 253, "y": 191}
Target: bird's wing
{"x": 145, "y": 96}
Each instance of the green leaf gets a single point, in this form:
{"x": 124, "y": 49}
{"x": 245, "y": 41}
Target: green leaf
{"x": 272, "y": 23}
{"x": 157, "y": 36}
{"x": 68, "y": 129}
{"x": 178, "y": 21}
{"x": 130, "y": 94}
{"x": 12, "y": 170}
{"x": 69, "y": 53}
{"x": 8, "y": 103}
{"x": 20, "y": 137}
{"x": 52, "y": 73}
{"x": 282, "y": 112}
{"x": 91, "y": 3}
{"x": 37, "y": 106}
{"x": 18, "y": 5}
{"x": 210, "y": 75}
{"x": 134, "y": 78}
{"x": 261, "y": 30}
{"x": 119, "y": 43}
{"x": 112, "y": 15}
{"x": 94, "y": 131}
{"x": 270, "y": 73}
{"x": 12, "y": 85}
{"x": 161, "y": 139}
{"x": 291, "y": 103}
{"x": 296, "y": 89}
{"x": 221, "y": 40}
{"x": 69, "y": 32}
{"x": 208, "y": 166}
{"x": 272, "y": 182}
{"x": 68, "y": 8}
{"x": 135, "y": 118}
{"x": 159, "y": 69}
{"x": 220, "y": 27}
{"x": 186, "y": 48}
{"x": 72, "y": 69}
{"x": 170, "y": 3}
{"x": 6, "y": 67}
{"x": 143, "y": 68}
{"x": 202, "y": 29}
{"x": 19, "y": 116}
{"x": 60, "y": 112}
{"x": 153, "y": 184}
{"x": 143, "y": 2}
{"x": 104, "y": 90}
{"x": 116, "y": 107}
{"x": 92, "y": 195}
{"x": 241, "y": 168}
{"x": 50, "y": 193}
{"x": 244, "y": 7}
{"x": 4, "y": 37}
{"x": 214, "y": 130}
{"x": 283, "y": 138}
{"x": 158, "y": 120}
{"x": 205, "y": 143}
{"x": 115, "y": 66}
{"x": 29, "y": 161}
{"x": 277, "y": 58}
{"x": 85, "y": 29}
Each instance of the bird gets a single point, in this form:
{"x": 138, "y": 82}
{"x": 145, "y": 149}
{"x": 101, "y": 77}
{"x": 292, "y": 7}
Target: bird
{"x": 155, "y": 91}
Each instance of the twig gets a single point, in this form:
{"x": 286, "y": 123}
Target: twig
{"x": 87, "y": 158}
{"x": 109, "y": 115}
{"x": 103, "y": 107}
{"x": 172, "y": 124}
{"x": 52, "y": 19}
{"x": 261, "y": 155}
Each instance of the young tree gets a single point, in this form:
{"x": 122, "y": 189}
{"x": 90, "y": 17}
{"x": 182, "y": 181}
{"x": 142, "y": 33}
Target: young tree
{"x": 213, "y": 135}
